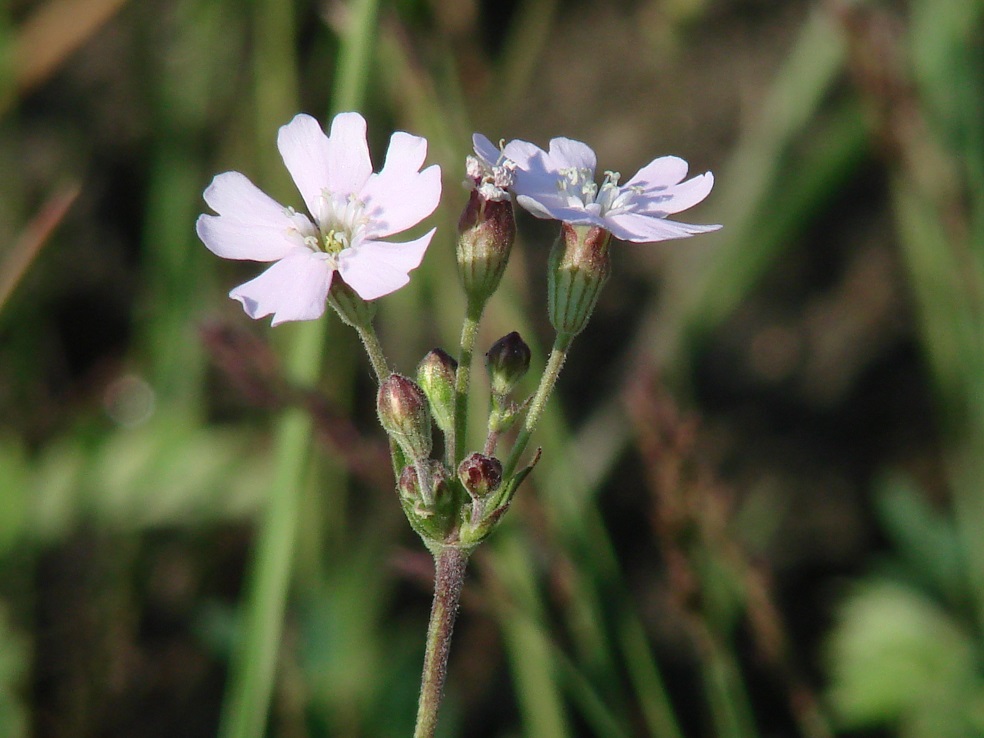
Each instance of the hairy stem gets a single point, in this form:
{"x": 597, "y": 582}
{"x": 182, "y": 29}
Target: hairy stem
{"x": 449, "y": 575}
{"x": 558, "y": 355}
{"x": 462, "y": 379}
{"x": 375, "y": 351}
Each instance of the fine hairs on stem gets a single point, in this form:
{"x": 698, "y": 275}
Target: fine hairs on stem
{"x": 462, "y": 380}
{"x": 449, "y": 576}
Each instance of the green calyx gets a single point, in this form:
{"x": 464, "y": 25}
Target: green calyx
{"x": 405, "y": 416}
{"x": 459, "y": 511}
{"x": 486, "y": 231}
{"x": 431, "y": 500}
{"x": 579, "y": 266}
{"x": 436, "y": 377}
{"x": 351, "y": 308}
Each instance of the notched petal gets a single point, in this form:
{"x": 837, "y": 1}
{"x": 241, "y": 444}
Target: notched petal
{"x": 406, "y": 153}
{"x": 305, "y": 151}
{"x": 349, "y": 164}
{"x": 396, "y": 201}
{"x": 566, "y": 152}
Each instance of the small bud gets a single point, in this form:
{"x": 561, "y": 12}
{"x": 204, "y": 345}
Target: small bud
{"x": 403, "y": 413}
{"x": 433, "y": 511}
{"x": 437, "y": 477}
{"x": 578, "y": 268}
{"x": 507, "y": 361}
{"x": 435, "y": 375}
{"x": 481, "y": 475}
{"x": 486, "y": 229}
{"x": 351, "y": 308}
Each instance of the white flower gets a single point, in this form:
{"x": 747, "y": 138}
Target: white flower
{"x": 560, "y": 184}
{"x": 490, "y": 173}
{"x": 351, "y": 209}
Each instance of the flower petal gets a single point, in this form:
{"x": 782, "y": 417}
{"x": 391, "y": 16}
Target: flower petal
{"x": 306, "y": 154}
{"x": 679, "y": 197}
{"x": 553, "y": 207}
{"x": 535, "y": 172}
{"x": 485, "y": 149}
{"x": 406, "y": 153}
{"x": 536, "y": 181}
{"x": 642, "y": 228}
{"x": 566, "y": 152}
{"x": 250, "y": 224}
{"x": 401, "y": 196}
{"x": 295, "y": 288}
{"x": 526, "y": 155}
{"x": 660, "y": 173}
{"x": 376, "y": 268}
{"x": 349, "y": 164}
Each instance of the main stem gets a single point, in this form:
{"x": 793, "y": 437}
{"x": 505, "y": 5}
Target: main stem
{"x": 558, "y": 355}
{"x": 449, "y": 575}
{"x": 462, "y": 378}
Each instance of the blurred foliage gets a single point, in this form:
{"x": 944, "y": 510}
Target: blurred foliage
{"x": 799, "y": 553}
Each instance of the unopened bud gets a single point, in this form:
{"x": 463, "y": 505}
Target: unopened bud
{"x": 435, "y": 375}
{"x": 403, "y": 413}
{"x": 578, "y": 268}
{"x": 507, "y": 361}
{"x": 429, "y": 500}
{"x": 437, "y": 479}
{"x": 481, "y": 475}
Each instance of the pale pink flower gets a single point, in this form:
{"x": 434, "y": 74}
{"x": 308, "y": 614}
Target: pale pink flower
{"x": 351, "y": 209}
{"x": 559, "y": 184}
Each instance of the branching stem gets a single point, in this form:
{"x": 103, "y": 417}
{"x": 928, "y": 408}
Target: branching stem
{"x": 558, "y": 355}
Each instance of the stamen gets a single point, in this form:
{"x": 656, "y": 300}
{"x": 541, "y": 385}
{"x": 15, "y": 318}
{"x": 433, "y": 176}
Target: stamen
{"x": 339, "y": 221}
{"x": 335, "y": 241}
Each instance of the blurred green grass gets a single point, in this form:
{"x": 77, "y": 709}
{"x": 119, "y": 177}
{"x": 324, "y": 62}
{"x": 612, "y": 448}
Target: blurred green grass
{"x": 635, "y": 589}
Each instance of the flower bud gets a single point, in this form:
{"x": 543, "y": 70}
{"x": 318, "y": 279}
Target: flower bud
{"x": 486, "y": 229}
{"x": 435, "y": 375}
{"x": 437, "y": 478}
{"x": 429, "y": 500}
{"x": 481, "y": 475}
{"x": 403, "y": 413}
{"x": 507, "y": 361}
{"x": 578, "y": 268}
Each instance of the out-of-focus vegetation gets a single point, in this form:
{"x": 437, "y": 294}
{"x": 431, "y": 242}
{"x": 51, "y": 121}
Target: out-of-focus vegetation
{"x": 798, "y": 553}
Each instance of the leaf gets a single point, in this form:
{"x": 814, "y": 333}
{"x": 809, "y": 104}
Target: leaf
{"x": 923, "y": 537}
{"x": 897, "y": 659}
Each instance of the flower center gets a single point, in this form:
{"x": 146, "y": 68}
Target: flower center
{"x": 340, "y": 220}
{"x": 579, "y": 185}
{"x": 334, "y": 241}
